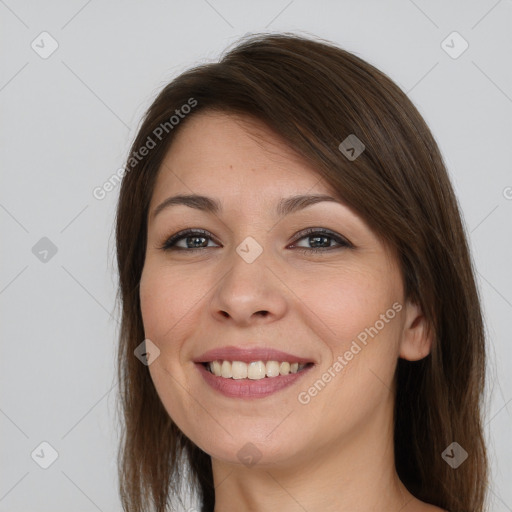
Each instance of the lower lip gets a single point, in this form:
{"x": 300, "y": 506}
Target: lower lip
{"x": 248, "y": 388}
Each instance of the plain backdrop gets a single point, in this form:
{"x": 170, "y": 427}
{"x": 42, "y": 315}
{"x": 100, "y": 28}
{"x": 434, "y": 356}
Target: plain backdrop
{"x": 68, "y": 118}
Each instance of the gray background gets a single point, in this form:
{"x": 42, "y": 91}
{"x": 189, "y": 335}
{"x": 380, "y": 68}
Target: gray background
{"x": 68, "y": 120}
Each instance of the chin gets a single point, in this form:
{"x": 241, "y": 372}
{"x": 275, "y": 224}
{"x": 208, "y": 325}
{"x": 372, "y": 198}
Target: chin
{"x": 252, "y": 446}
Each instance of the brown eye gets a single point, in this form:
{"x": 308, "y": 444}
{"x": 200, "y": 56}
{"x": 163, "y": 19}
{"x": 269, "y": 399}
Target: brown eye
{"x": 193, "y": 238}
{"x": 320, "y": 240}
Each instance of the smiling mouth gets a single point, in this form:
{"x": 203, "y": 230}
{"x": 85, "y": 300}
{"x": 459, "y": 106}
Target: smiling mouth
{"x": 255, "y": 370}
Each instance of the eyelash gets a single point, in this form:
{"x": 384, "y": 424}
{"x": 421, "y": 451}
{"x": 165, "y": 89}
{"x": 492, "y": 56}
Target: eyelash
{"x": 170, "y": 243}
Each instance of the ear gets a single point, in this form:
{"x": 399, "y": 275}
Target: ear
{"x": 417, "y": 339}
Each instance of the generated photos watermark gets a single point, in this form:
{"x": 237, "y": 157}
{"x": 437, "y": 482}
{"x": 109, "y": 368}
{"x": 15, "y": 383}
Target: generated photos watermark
{"x": 305, "y": 397}
{"x": 158, "y": 134}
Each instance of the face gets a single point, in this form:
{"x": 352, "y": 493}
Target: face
{"x": 269, "y": 282}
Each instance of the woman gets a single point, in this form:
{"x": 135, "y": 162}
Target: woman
{"x": 296, "y": 285}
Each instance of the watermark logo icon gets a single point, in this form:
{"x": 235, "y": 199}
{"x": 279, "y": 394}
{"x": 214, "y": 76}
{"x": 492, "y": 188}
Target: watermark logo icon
{"x": 44, "y": 455}
{"x": 454, "y": 45}
{"x": 147, "y": 352}
{"x": 249, "y": 455}
{"x": 454, "y": 455}
{"x": 44, "y": 45}
{"x": 249, "y": 249}
{"x": 44, "y": 250}
{"x": 351, "y": 147}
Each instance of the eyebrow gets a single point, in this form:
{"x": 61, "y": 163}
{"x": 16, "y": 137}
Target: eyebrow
{"x": 207, "y": 204}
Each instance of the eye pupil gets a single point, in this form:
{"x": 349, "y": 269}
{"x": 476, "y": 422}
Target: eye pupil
{"x": 315, "y": 239}
{"x": 195, "y": 239}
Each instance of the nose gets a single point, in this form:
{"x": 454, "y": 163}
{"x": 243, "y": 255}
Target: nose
{"x": 249, "y": 293}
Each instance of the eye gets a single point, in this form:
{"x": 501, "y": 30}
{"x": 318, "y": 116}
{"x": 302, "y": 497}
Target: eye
{"x": 194, "y": 239}
{"x": 320, "y": 239}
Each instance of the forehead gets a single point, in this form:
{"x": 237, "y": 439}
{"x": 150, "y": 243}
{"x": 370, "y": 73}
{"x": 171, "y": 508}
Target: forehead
{"x": 224, "y": 152}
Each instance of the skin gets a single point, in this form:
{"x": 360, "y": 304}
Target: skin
{"x": 334, "y": 453}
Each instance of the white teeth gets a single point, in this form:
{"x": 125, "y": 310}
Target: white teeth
{"x": 284, "y": 368}
{"x": 216, "y": 368}
{"x": 272, "y": 368}
{"x": 238, "y": 369}
{"x": 226, "y": 370}
{"x": 255, "y": 370}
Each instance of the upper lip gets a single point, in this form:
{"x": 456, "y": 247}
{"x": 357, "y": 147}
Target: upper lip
{"x": 248, "y": 355}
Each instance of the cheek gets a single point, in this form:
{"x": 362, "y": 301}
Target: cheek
{"x": 167, "y": 307}
{"x": 343, "y": 304}
{"x": 360, "y": 328}
{"x": 167, "y": 298}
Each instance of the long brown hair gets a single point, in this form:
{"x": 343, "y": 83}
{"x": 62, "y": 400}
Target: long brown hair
{"x": 315, "y": 95}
